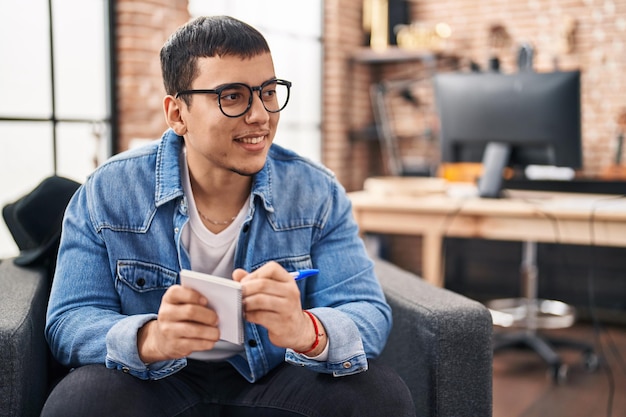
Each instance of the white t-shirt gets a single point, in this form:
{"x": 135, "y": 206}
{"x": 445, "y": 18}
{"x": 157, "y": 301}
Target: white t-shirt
{"x": 210, "y": 253}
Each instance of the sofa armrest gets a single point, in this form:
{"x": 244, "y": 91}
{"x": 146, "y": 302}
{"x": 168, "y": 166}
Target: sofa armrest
{"x": 440, "y": 345}
{"x": 24, "y": 358}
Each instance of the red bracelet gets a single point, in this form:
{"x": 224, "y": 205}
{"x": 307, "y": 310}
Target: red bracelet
{"x": 317, "y": 334}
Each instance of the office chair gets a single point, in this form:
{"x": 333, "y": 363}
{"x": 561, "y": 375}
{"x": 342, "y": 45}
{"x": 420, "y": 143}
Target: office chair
{"x": 532, "y": 314}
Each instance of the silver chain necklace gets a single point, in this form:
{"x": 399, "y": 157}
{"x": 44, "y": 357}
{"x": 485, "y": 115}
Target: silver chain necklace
{"x": 215, "y": 222}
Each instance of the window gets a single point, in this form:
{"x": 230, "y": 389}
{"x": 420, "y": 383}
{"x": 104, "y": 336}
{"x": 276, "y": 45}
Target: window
{"x": 55, "y": 116}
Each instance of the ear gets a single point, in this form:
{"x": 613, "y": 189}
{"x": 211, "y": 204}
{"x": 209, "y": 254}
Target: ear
{"x": 173, "y": 114}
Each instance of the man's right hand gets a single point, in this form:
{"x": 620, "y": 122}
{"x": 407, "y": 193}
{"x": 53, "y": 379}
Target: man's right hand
{"x": 184, "y": 325}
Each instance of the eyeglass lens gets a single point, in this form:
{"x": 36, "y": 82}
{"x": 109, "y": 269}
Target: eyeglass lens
{"x": 236, "y": 99}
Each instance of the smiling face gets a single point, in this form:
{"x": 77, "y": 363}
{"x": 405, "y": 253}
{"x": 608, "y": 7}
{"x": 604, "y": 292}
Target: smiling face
{"x": 217, "y": 144}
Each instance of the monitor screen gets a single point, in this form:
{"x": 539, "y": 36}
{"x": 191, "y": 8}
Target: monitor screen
{"x": 527, "y": 118}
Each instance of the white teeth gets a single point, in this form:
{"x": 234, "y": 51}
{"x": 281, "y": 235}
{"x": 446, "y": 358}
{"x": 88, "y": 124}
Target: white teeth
{"x": 252, "y": 140}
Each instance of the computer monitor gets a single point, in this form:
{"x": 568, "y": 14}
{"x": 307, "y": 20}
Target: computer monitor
{"x": 515, "y": 120}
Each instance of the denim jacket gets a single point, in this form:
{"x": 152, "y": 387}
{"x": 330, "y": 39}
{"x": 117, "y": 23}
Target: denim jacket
{"x": 121, "y": 249}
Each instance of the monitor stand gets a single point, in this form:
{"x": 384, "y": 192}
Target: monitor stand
{"x": 495, "y": 159}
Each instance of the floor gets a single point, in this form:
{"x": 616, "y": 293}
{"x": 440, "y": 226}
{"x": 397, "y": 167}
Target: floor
{"x": 523, "y": 387}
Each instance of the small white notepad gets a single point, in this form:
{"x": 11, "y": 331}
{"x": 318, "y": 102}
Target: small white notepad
{"x": 224, "y": 297}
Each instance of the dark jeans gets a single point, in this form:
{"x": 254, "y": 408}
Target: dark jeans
{"x": 216, "y": 389}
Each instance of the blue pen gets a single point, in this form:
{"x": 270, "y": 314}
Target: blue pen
{"x": 303, "y": 273}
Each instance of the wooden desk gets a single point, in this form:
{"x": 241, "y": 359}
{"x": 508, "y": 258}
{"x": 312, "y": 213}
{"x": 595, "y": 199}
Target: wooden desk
{"x": 538, "y": 216}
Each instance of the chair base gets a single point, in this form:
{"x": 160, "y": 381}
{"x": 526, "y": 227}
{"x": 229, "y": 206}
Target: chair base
{"x": 533, "y": 314}
{"x": 545, "y": 347}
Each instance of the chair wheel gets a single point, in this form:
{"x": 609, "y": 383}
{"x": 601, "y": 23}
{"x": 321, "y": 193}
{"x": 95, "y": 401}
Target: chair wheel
{"x": 591, "y": 361}
{"x": 558, "y": 373}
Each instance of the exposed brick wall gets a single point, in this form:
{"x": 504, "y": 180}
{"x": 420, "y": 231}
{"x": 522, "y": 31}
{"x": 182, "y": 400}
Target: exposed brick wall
{"x": 142, "y": 28}
{"x": 599, "y": 51}
{"x": 342, "y": 109}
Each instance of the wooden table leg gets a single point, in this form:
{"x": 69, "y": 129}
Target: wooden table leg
{"x": 432, "y": 265}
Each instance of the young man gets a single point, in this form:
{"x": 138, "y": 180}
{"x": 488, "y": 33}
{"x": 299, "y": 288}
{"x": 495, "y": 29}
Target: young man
{"x": 214, "y": 195}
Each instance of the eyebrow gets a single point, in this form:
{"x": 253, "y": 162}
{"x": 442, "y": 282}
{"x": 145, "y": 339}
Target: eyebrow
{"x": 241, "y": 82}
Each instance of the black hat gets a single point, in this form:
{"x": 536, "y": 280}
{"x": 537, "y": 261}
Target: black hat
{"x": 35, "y": 219}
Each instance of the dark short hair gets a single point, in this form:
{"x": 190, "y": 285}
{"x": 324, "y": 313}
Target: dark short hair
{"x": 206, "y": 36}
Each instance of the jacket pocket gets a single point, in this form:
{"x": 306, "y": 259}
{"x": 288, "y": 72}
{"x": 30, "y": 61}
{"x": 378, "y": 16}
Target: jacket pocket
{"x": 290, "y": 263}
{"x": 141, "y": 285}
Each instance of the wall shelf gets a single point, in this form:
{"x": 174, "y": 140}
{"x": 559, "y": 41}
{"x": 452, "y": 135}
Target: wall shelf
{"x": 394, "y": 54}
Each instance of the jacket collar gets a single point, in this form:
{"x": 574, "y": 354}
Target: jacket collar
{"x": 168, "y": 180}
{"x": 262, "y": 183}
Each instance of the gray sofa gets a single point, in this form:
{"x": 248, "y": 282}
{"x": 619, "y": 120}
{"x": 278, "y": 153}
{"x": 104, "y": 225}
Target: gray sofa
{"x": 440, "y": 344}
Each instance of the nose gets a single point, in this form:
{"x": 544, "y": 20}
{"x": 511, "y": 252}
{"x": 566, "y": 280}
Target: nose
{"x": 257, "y": 112}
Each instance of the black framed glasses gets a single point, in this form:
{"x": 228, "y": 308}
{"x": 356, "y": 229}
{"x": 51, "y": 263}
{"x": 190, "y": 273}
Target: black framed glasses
{"x": 235, "y": 99}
